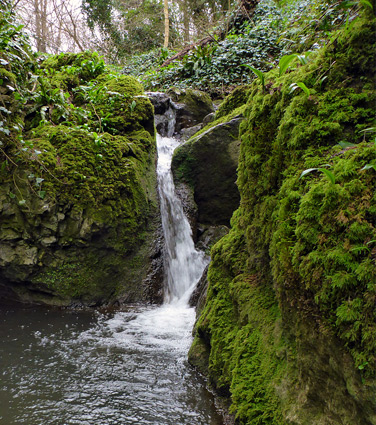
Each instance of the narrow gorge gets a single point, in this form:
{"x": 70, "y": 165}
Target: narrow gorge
{"x": 185, "y": 257}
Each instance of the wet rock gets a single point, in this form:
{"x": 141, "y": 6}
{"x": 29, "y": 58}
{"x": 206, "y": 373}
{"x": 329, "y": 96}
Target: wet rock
{"x": 209, "y": 235}
{"x": 191, "y": 107}
{"x": 185, "y": 193}
{"x": 160, "y": 101}
{"x": 78, "y": 220}
{"x": 187, "y": 133}
{"x": 164, "y": 111}
{"x": 198, "y": 296}
{"x": 209, "y": 118}
{"x": 208, "y": 163}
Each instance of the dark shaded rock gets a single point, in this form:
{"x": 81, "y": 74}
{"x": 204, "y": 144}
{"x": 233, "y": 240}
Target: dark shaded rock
{"x": 185, "y": 194}
{"x": 160, "y": 101}
{"x": 208, "y": 163}
{"x": 198, "y": 296}
{"x": 191, "y": 107}
{"x": 164, "y": 111}
{"x": 187, "y": 133}
{"x": 209, "y": 235}
{"x": 80, "y": 213}
{"x": 153, "y": 284}
{"x": 209, "y": 118}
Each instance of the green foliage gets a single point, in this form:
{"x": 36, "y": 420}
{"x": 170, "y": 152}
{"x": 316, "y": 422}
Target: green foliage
{"x": 259, "y": 74}
{"x": 130, "y": 27}
{"x": 327, "y": 173}
{"x": 300, "y": 85}
{"x": 76, "y": 137}
{"x": 215, "y": 68}
{"x": 272, "y": 33}
{"x": 284, "y": 63}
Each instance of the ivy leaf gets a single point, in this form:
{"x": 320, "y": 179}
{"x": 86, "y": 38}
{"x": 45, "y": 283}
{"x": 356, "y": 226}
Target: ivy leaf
{"x": 6, "y": 111}
{"x": 42, "y": 194}
{"x": 38, "y": 181}
{"x": 22, "y": 202}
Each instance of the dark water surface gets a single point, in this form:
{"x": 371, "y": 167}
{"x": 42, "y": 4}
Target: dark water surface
{"x": 129, "y": 367}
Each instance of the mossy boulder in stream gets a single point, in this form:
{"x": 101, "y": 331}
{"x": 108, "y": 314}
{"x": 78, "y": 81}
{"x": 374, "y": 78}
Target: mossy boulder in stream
{"x": 78, "y": 203}
{"x": 288, "y": 331}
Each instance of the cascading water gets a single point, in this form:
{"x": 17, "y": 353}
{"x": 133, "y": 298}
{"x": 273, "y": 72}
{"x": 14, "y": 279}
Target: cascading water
{"x": 115, "y": 369}
{"x": 184, "y": 264}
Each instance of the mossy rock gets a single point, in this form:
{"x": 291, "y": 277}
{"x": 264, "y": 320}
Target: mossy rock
{"x": 79, "y": 205}
{"x": 290, "y": 315}
{"x": 236, "y": 99}
{"x": 192, "y": 106}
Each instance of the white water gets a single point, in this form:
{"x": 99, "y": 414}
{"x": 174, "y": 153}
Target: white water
{"x": 184, "y": 264}
{"x": 115, "y": 369}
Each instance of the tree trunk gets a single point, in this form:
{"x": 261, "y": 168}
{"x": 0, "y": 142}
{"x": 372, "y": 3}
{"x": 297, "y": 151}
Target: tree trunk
{"x": 186, "y": 22}
{"x": 166, "y": 25}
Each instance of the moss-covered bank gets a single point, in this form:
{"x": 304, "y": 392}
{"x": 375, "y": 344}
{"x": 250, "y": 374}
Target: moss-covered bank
{"x": 78, "y": 203}
{"x": 288, "y": 331}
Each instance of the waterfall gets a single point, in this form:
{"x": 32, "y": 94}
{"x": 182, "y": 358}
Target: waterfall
{"x": 129, "y": 367}
{"x": 183, "y": 263}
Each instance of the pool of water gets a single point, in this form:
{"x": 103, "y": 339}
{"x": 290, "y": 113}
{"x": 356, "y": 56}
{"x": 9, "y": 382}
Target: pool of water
{"x": 126, "y": 367}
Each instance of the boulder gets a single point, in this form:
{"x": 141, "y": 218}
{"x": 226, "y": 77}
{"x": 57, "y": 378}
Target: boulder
{"x": 207, "y": 163}
{"x": 79, "y": 213}
{"x": 164, "y": 111}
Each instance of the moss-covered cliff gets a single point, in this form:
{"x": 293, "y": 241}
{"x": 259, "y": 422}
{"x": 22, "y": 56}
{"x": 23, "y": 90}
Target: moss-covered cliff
{"x": 288, "y": 331}
{"x": 78, "y": 204}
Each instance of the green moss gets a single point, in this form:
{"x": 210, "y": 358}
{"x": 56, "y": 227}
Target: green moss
{"x": 301, "y": 250}
{"x": 235, "y": 100}
{"x": 198, "y": 103}
{"x": 4, "y": 73}
{"x": 238, "y": 112}
{"x": 82, "y": 164}
{"x": 240, "y": 325}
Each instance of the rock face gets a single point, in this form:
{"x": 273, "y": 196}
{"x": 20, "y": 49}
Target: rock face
{"x": 192, "y": 106}
{"x": 288, "y": 329}
{"x": 180, "y": 113}
{"x": 207, "y": 163}
{"x": 164, "y": 111}
{"x": 78, "y": 199}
